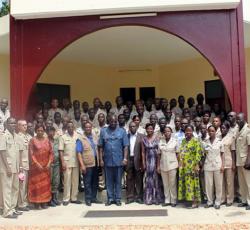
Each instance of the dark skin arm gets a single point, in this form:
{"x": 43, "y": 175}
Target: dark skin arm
{"x": 101, "y": 156}
{"x": 234, "y": 159}
{"x": 143, "y": 157}
{"x": 82, "y": 166}
{"x": 62, "y": 160}
{"x": 125, "y": 154}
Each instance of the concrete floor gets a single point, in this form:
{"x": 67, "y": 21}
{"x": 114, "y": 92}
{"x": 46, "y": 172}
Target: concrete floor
{"x": 73, "y": 214}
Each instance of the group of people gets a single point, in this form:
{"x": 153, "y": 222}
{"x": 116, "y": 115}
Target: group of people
{"x": 163, "y": 152}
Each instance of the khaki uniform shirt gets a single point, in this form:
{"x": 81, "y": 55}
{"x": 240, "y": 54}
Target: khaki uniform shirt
{"x": 229, "y": 145}
{"x": 67, "y": 144}
{"x": 25, "y": 154}
{"x": 242, "y": 143}
{"x": 69, "y": 113}
{"x": 213, "y": 150}
{"x": 3, "y": 118}
{"x": 11, "y": 147}
{"x": 234, "y": 130}
{"x": 60, "y": 126}
{"x": 117, "y": 111}
{"x": 218, "y": 134}
{"x": 168, "y": 154}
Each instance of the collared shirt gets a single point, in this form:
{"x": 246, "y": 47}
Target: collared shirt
{"x": 117, "y": 111}
{"x": 3, "y": 117}
{"x": 218, "y": 134}
{"x": 132, "y": 139}
{"x": 242, "y": 143}
{"x": 168, "y": 150}
{"x": 229, "y": 145}
{"x": 213, "y": 150}
{"x": 67, "y": 144}
{"x": 69, "y": 113}
{"x": 234, "y": 130}
{"x": 57, "y": 127}
{"x": 179, "y": 136}
{"x": 80, "y": 130}
{"x": 113, "y": 142}
{"x": 25, "y": 154}
{"x": 12, "y": 145}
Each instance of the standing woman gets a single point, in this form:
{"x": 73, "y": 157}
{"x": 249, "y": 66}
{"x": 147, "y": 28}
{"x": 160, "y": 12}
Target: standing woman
{"x": 167, "y": 166}
{"x": 190, "y": 156}
{"x": 228, "y": 141}
{"x": 213, "y": 168}
{"x": 153, "y": 193}
{"x": 41, "y": 157}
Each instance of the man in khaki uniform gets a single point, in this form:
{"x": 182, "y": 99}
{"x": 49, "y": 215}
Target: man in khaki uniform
{"x": 10, "y": 151}
{"x": 22, "y": 198}
{"x": 69, "y": 161}
{"x": 242, "y": 150}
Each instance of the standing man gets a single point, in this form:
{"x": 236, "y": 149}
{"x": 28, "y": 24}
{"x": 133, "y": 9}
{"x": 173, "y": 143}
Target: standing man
{"x": 23, "y": 184}
{"x": 4, "y": 113}
{"x": 242, "y": 150}
{"x": 113, "y": 156}
{"x": 69, "y": 162}
{"x": 234, "y": 128}
{"x": 10, "y": 150}
{"x": 119, "y": 106}
{"x": 134, "y": 166}
{"x": 86, "y": 149}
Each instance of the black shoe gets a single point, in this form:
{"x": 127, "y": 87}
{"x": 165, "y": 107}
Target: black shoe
{"x": 76, "y": 202}
{"x": 24, "y": 209}
{"x": 173, "y": 205}
{"x": 57, "y": 202}
{"x": 229, "y": 204}
{"x": 13, "y": 216}
{"x": 52, "y": 203}
{"x": 242, "y": 205}
{"x": 96, "y": 201}
{"x": 55, "y": 199}
{"x": 208, "y": 206}
{"x": 44, "y": 206}
{"x": 248, "y": 207}
{"x": 139, "y": 201}
{"x": 108, "y": 203}
{"x": 118, "y": 203}
{"x": 129, "y": 201}
{"x": 217, "y": 206}
{"x": 65, "y": 203}
{"x": 165, "y": 204}
{"x": 88, "y": 203}
{"x": 18, "y": 213}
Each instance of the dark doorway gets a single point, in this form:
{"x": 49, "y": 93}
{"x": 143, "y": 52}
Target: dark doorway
{"x": 45, "y": 92}
{"x": 147, "y": 93}
{"x": 128, "y": 94}
{"x": 215, "y": 93}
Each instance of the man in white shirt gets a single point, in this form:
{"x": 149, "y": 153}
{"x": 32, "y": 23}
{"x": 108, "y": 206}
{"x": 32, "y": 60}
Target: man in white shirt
{"x": 4, "y": 113}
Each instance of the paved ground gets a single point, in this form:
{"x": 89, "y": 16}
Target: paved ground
{"x": 73, "y": 215}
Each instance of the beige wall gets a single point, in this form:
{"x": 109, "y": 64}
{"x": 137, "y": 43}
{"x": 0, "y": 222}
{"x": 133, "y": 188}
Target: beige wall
{"x": 186, "y": 78}
{"x": 4, "y": 76}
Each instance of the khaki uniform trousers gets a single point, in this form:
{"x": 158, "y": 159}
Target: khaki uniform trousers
{"x": 1, "y": 196}
{"x": 228, "y": 186}
{"x": 244, "y": 184}
{"x": 170, "y": 185}
{"x": 23, "y": 190}
{"x": 10, "y": 188}
{"x": 70, "y": 183}
{"x": 213, "y": 179}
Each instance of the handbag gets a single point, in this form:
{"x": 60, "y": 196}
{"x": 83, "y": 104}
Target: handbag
{"x": 247, "y": 162}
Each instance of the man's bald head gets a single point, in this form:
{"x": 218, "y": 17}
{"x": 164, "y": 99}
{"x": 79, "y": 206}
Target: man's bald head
{"x": 240, "y": 120}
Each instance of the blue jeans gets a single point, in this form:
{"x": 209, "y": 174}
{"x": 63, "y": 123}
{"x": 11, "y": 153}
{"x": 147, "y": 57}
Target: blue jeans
{"x": 91, "y": 180}
{"x": 114, "y": 182}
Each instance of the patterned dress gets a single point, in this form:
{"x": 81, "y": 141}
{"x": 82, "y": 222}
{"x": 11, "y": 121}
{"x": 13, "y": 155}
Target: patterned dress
{"x": 153, "y": 192}
{"x": 190, "y": 154}
{"x": 39, "y": 186}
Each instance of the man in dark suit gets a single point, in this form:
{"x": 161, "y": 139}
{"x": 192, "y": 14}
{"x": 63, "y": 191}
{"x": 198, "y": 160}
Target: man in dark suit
{"x": 134, "y": 166}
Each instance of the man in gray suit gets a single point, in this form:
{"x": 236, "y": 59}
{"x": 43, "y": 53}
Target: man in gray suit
{"x": 134, "y": 166}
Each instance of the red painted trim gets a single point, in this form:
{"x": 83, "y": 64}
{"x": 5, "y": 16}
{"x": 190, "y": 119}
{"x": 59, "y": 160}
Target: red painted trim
{"x": 36, "y": 42}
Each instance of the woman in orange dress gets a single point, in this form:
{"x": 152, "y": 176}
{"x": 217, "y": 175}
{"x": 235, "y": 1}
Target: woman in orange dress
{"x": 41, "y": 156}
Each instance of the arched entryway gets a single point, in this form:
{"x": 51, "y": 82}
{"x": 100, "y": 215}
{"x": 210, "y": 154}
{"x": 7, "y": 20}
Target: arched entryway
{"x": 34, "y": 43}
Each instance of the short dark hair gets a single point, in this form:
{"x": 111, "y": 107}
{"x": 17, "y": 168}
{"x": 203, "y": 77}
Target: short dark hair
{"x": 38, "y": 126}
{"x": 148, "y": 125}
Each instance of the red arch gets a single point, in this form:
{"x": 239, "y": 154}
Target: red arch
{"x": 212, "y": 33}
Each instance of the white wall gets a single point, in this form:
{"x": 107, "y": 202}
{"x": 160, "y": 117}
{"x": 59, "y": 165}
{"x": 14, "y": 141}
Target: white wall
{"x": 54, "y": 8}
